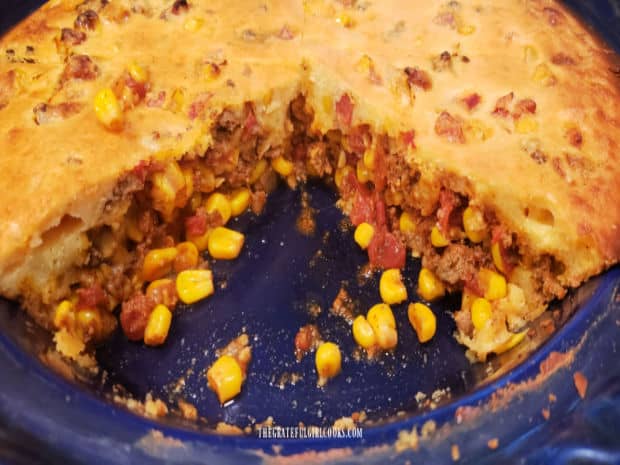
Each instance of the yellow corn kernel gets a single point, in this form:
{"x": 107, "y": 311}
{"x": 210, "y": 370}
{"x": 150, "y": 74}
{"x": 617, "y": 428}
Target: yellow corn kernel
{"x": 363, "y": 234}
{"x": 188, "y": 174}
{"x": 201, "y": 242}
{"x": 187, "y": 257}
{"x": 342, "y": 159}
{"x": 429, "y": 286}
{"x": 381, "y": 319}
{"x": 282, "y": 166}
{"x": 138, "y": 73}
{"x": 193, "y": 24}
{"x": 369, "y": 159}
{"x": 466, "y": 29}
{"x": 422, "y": 320}
{"x": 437, "y": 238}
{"x": 530, "y": 54}
{"x": 63, "y": 315}
{"x": 177, "y": 100}
{"x": 391, "y": 287}
{"x": 162, "y": 288}
{"x": 89, "y": 323}
{"x": 474, "y": 224}
{"x": 514, "y": 340}
{"x": 363, "y": 174}
{"x": 477, "y": 130}
{"x": 225, "y": 378}
{"x": 133, "y": 229}
{"x": 224, "y": 243}
{"x": 158, "y": 263}
{"x": 364, "y": 65}
{"x": 194, "y": 285}
{"x": 108, "y": 109}
{"x": 345, "y": 20}
{"x": 481, "y": 312}
{"x": 158, "y": 326}
{"x": 342, "y": 174}
{"x": 218, "y": 202}
{"x": 258, "y": 170}
{"x": 166, "y": 185}
{"x": 526, "y": 125}
{"x": 494, "y": 284}
{"x": 498, "y": 260}
{"x": 543, "y": 75}
{"x": 363, "y": 333}
{"x": 328, "y": 361}
{"x": 211, "y": 72}
{"x": 240, "y": 200}
{"x": 406, "y": 223}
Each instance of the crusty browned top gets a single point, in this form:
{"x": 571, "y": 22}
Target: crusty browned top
{"x": 514, "y": 97}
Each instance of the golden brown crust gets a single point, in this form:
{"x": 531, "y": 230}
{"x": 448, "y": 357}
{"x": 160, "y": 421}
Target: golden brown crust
{"x": 553, "y": 181}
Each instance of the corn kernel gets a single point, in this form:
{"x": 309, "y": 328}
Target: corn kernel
{"x": 133, "y": 229}
{"x": 258, "y": 170}
{"x": 481, "y": 312}
{"x": 201, "y": 242}
{"x": 369, "y": 159}
{"x": 363, "y": 174}
{"x": 177, "y": 100}
{"x": 187, "y": 257}
{"x": 514, "y": 340}
{"x": 363, "y": 234}
{"x": 282, "y": 166}
{"x": 108, "y": 109}
{"x": 138, "y": 73}
{"x": 466, "y": 30}
{"x": 164, "y": 291}
{"x": 429, "y": 286}
{"x": 530, "y": 54}
{"x": 218, "y": 202}
{"x": 166, "y": 186}
{"x": 341, "y": 175}
{"x": 63, "y": 315}
{"x": 543, "y": 75}
{"x": 437, "y": 238}
{"x": 391, "y": 287}
{"x": 225, "y": 244}
{"x": 157, "y": 326}
{"x": 89, "y": 323}
{"x": 194, "y": 285}
{"x": 193, "y": 24}
{"x": 364, "y": 65}
{"x": 225, "y": 378}
{"x": 474, "y": 224}
{"x": 494, "y": 284}
{"x": 345, "y": 20}
{"x": 406, "y": 223}
{"x": 477, "y": 130}
{"x": 498, "y": 260}
{"x": 363, "y": 333}
{"x": 240, "y": 200}
{"x": 211, "y": 72}
{"x": 328, "y": 361}
{"x": 188, "y": 174}
{"x": 526, "y": 125}
{"x": 158, "y": 263}
{"x": 382, "y": 321}
{"x": 422, "y": 320}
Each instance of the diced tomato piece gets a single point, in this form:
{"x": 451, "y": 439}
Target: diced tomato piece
{"x": 344, "y": 110}
{"x": 408, "y": 138}
{"x": 91, "y": 297}
{"x": 447, "y": 202}
{"x": 363, "y": 210}
{"x": 196, "y": 225}
{"x": 386, "y": 251}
